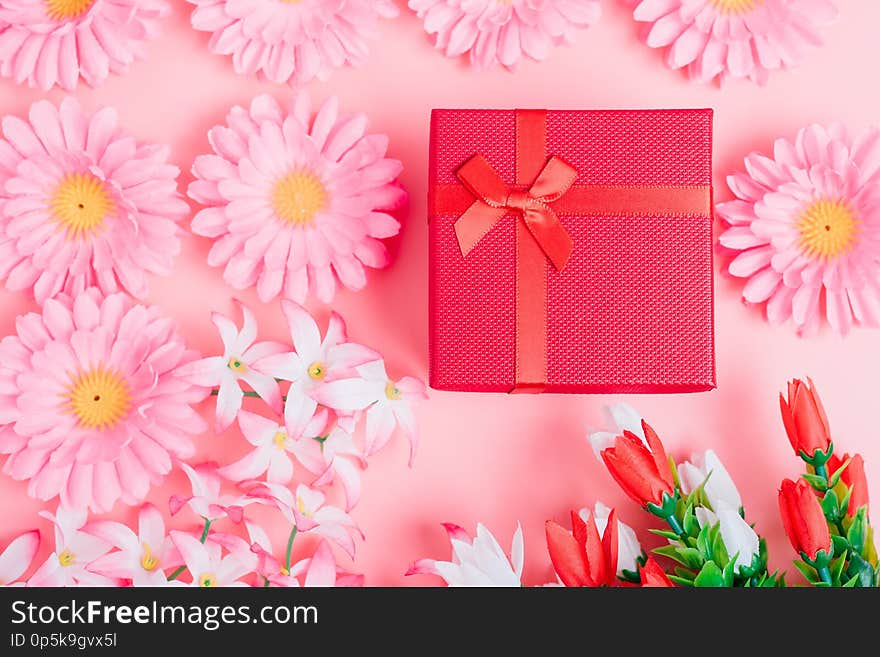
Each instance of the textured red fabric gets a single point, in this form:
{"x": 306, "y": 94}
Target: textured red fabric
{"x": 632, "y": 311}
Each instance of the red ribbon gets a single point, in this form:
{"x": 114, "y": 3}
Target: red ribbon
{"x": 495, "y": 199}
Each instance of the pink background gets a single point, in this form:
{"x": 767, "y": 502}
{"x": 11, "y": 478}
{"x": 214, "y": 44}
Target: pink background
{"x": 496, "y": 458}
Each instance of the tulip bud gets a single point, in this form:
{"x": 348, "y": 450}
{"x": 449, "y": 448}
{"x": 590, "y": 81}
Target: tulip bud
{"x": 804, "y": 520}
{"x": 806, "y": 423}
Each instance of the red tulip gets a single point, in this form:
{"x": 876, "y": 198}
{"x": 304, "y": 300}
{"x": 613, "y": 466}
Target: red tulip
{"x": 581, "y": 558}
{"x": 854, "y": 478}
{"x": 803, "y": 519}
{"x": 804, "y": 418}
{"x": 652, "y": 575}
{"x": 642, "y": 472}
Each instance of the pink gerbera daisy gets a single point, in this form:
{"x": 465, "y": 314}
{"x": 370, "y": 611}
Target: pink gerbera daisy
{"x": 504, "y": 31}
{"x": 734, "y": 38}
{"x": 807, "y": 226}
{"x": 291, "y": 40}
{"x": 82, "y": 204}
{"x": 49, "y": 42}
{"x": 296, "y": 204}
{"x": 90, "y": 410}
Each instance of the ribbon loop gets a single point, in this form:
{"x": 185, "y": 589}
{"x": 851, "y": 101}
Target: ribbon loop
{"x": 494, "y": 199}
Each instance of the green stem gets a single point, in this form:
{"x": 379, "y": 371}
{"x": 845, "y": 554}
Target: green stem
{"x": 177, "y": 573}
{"x": 676, "y": 527}
{"x": 205, "y": 531}
{"x": 822, "y": 471}
{"x": 824, "y": 574}
{"x": 289, "y": 549}
{"x": 247, "y": 393}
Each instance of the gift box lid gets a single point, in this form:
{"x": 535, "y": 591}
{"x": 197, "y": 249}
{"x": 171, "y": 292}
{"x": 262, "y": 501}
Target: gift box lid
{"x": 631, "y": 311}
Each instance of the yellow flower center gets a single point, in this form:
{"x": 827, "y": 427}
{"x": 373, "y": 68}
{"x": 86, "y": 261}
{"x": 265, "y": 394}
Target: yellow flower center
{"x": 99, "y": 398}
{"x": 236, "y": 365}
{"x": 317, "y": 370}
{"x": 735, "y": 6}
{"x": 207, "y": 580}
{"x": 148, "y": 559}
{"x": 301, "y": 507}
{"x": 80, "y": 203}
{"x": 59, "y": 10}
{"x": 298, "y": 197}
{"x": 280, "y": 440}
{"x": 285, "y": 571}
{"x": 828, "y": 228}
{"x": 67, "y": 558}
{"x": 392, "y": 391}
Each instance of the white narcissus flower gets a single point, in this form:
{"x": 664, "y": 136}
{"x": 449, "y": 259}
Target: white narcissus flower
{"x": 74, "y": 551}
{"x": 313, "y": 362}
{"x": 142, "y": 557}
{"x": 240, "y": 352}
{"x": 738, "y": 536}
{"x": 478, "y": 561}
{"x": 306, "y": 509}
{"x": 387, "y": 403}
{"x": 335, "y": 449}
{"x": 17, "y": 557}
{"x": 206, "y": 563}
{"x": 207, "y": 499}
{"x": 273, "y": 446}
{"x": 620, "y": 417}
{"x": 719, "y": 487}
{"x": 628, "y": 547}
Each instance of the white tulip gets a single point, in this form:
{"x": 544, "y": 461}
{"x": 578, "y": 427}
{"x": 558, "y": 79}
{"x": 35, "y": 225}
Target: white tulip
{"x": 738, "y": 536}
{"x": 719, "y": 487}
{"x": 621, "y": 417}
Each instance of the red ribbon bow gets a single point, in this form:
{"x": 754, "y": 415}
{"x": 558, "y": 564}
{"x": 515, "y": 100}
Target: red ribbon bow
{"x": 495, "y": 199}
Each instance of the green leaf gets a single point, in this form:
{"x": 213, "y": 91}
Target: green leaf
{"x": 806, "y": 570}
{"x": 729, "y": 572}
{"x": 719, "y": 550}
{"x": 817, "y": 482}
{"x": 683, "y": 573}
{"x": 857, "y": 533}
{"x": 710, "y": 576}
{"x": 836, "y": 568}
{"x": 703, "y": 542}
{"x": 671, "y": 552}
{"x": 691, "y": 526}
{"x": 830, "y": 506}
{"x": 844, "y": 503}
{"x": 681, "y": 581}
{"x": 839, "y": 543}
{"x": 832, "y": 482}
{"x": 851, "y": 582}
{"x": 665, "y": 533}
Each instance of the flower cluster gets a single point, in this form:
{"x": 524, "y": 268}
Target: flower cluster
{"x": 708, "y": 541}
{"x": 96, "y": 405}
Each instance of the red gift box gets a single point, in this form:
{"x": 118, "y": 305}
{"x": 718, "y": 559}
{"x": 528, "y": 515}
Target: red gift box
{"x": 571, "y": 251}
